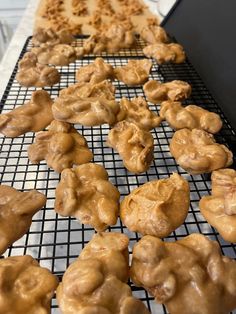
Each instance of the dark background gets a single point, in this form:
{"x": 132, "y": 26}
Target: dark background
{"x": 207, "y": 30}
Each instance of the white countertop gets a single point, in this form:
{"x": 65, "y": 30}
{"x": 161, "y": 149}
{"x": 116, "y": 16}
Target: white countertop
{"x": 24, "y": 29}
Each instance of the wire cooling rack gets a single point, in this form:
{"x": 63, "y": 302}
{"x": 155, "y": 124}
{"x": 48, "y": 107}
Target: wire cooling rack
{"x": 57, "y": 241}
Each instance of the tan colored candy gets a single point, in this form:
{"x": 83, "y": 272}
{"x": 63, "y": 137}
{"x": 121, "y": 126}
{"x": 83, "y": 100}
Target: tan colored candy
{"x": 111, "y": 40}
{"x": 135, "y": 72}
{"x": 219, "y": 208}
{"x": 157, "y": 207}
{"x": 197, "y": 152}
{"x": 137, "y": 111}
{"x": 103, "y": 89}
{"x": 165, "y": 53}
{"x": 157, "y": 92}
{"x": 49, "y": 36}
{"x": 32, "y": 116}
{"x": 32, "y": 73}
{"x": 84, "y": 192}
{"x": 88, "y": 111}
{"x": 110, "y": 248}
{"x": 134, "y": 145}
{"x": 60, "y": 54}
{"x": 86, "y": 103}
{"x": 189, "y": 276}
{"x": 95, "y": 72}
{"x": 154, "y": 34}
{"x": 16, "y": 212}
{"x": 61, "y": 146}
{"x": 190, "y": 117}
{"x": 96, "y": 281}
{"x": 26, "y": 288}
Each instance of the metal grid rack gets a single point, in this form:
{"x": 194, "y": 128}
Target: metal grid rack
{"x": 56, "y": 241}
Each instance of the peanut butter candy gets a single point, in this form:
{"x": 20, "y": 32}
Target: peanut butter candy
{"x": 189, "y": 276}
{"x": 32, "y": 116}
{"x": 84, "y": 192}
{"x": 32, "y": 73}
{"x": 197, "y": 152}
{"x": 61, "y": 146}
{"x": 157, "y": 207}
{"x": 219, "y": 208}
{"x": 16, "y": 212}
{"x": 96, "y": 281}
{"x": 26, "y": 288}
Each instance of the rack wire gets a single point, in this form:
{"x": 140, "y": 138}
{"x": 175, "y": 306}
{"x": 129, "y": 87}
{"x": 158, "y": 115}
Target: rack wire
{"x": 56, "y": 241}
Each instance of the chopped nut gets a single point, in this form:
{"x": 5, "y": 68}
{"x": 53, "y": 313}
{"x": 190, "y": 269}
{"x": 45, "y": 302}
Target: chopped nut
{"x": 79, "y": 7}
